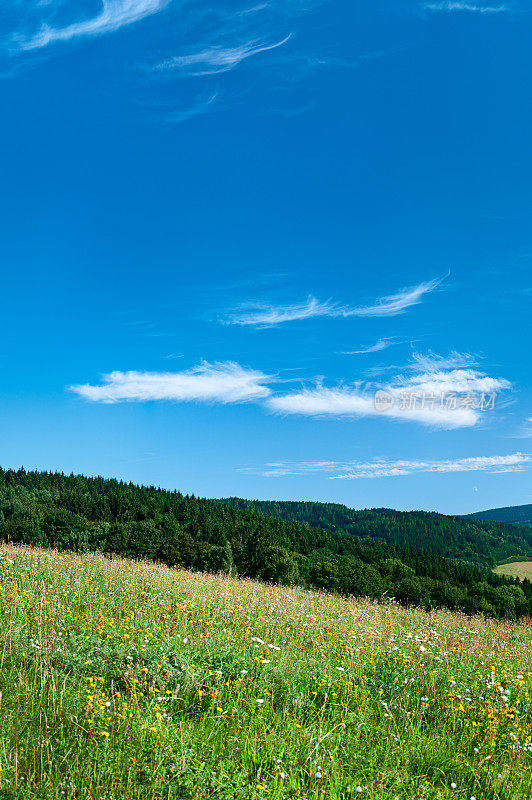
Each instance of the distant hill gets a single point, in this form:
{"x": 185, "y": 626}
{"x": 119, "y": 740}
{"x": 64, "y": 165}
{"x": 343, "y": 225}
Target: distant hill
{"x": 479, "y": 541}
{"x": 517, "y": 515}
{"x": 378, "y": 553}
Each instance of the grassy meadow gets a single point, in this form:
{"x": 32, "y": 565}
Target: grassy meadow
{"x": 516, "y": 569}
{"x": 131, "y": 680}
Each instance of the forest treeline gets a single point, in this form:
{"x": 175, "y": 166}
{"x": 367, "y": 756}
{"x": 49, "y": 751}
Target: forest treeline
{"x": 479, "y": 541}
{"x": 77, "y": 513}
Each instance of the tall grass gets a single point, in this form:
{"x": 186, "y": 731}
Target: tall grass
{"x": 131, "y": 680}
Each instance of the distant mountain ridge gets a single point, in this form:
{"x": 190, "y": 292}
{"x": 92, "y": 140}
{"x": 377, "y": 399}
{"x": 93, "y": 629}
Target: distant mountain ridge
{"x": 517, "y": 515}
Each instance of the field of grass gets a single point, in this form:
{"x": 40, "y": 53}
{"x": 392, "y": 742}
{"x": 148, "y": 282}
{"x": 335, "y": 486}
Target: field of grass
{"x": 517, "y": 569}
{"x": 131, "y": 680}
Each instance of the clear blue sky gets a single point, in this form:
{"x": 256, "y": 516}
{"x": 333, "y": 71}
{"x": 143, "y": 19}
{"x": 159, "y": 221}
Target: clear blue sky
{"x": 224, "y": 228}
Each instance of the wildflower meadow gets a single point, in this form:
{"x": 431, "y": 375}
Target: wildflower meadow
{"x": 123, "y": 679}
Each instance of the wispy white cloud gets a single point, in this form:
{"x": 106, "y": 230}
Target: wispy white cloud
{"x": 202, "y": 105}
{"x": 386, "y": 468}
{"x": 479, "y": 8}
{"x": 114, "y": 14}
{"x": 397, "y": 303}
{"x": 445, "y": 398}
{"x": 426, "y": 362}
{"x": 430, "y": 361}
{"x": 381, "y": 344}
{"x": 225, "y": 39}
{"x": 452, "y": 381}
{"x": 225, "y": 382}
{"x": 526, "y": 430}
{"x": 357, "y": 402}
{"x": 216, "y": 59}
{"x": 265, "y": 316}
{"x": 494, "y": 464}
{"x": 252, "y": 9}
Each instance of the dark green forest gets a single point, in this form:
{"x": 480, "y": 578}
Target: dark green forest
{"x": 482, "y": 542}
{"x": 519, "y": 515}
{"x": 389, "y": 555}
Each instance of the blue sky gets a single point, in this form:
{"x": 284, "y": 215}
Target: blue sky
{"x": 224, "y": 228}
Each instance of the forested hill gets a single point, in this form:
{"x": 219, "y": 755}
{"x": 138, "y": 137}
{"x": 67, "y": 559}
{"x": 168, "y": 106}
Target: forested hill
{"x": 77, "y": 513}
{"x": 518, "y": 515}
{"x": 479, "y": 541}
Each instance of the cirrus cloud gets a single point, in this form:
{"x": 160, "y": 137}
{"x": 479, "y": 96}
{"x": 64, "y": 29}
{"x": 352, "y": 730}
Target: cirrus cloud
{"x": 225, "y": 382}
{"x": 216, "y": 59}
{"x": 266, "y": 316}
{"x": 457, "y": 5}
{"x": 444, "y": 398}
{"x": 438, "y": 397}
{"x": 381, "y": 344}
{"x": 388, "y": 468}
{"x": 115, "y": 14}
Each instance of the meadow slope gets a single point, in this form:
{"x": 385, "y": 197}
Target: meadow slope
{"x": 515, "y": 569}
{"x": 129, "y": 679}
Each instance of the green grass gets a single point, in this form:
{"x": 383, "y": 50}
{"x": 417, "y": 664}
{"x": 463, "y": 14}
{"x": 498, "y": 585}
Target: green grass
{"x": 131, "y": 680}
{"x": 516, "y": 569}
